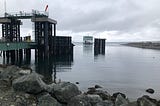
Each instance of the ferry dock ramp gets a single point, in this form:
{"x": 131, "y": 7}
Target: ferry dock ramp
{"x": 13, "y": 46}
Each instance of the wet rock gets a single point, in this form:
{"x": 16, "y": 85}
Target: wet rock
{"x": 64, "y": 91}
{"x": 91, "y": 90}
{"x": 25, "y": 71}
{"x": 47, "y": 100}
{"x": 158, "y": 103}
{"x": 130, "y": 104}
{"x": 151, "y": 99}
{"x": 5, "y": 84}
{"x": 103, "y": 94}
{"x": 77, "y": 82}
{"x": 17, "y": 99}
{"x": 3, "y": 66}
{"x": 13, "y": 71}
{"x": 97, "y": 86}
{"x": 79, "y": 102}
{"x": 105, "y": 103}
{"x": 150, "y": 90}
{"x": 146, "y": 101}
{"x": 34, "y": 104}
{"x": 94, "y": 99}
{"x": 20, "y": 102}
{"x": 85, "y": 100}
{"x": 50, "y": 87}
{"x": 120, "y": 100}
{"x": 114, "y": 96}
{"x": 31, "y": 83}
{"x": 10, "y": 73}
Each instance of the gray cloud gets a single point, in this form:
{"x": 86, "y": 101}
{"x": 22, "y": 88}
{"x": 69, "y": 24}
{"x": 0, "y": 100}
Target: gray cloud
{"x": 122, "y": 15}
{"x": 127, "y": 17}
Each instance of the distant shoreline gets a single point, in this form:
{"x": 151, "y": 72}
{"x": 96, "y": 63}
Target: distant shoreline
{"x": 145, "y": 45}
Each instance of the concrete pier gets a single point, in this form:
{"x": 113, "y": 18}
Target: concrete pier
{"x": 46, "y": 42}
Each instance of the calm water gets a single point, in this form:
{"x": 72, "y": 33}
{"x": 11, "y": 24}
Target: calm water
{"x": 126, "y": 69}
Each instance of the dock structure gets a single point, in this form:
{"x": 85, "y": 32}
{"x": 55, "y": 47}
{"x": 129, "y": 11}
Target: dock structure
{"x": 46, "y": 42}
{"x": 87, "y": 39}
{"x": 99, "y": 46}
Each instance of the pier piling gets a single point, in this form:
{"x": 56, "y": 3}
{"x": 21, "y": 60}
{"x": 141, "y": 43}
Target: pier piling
{"x": 99, "y": 46}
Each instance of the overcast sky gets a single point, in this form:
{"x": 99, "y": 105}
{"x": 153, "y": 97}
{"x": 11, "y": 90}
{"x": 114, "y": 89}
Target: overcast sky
{"x": 115, "y": 20}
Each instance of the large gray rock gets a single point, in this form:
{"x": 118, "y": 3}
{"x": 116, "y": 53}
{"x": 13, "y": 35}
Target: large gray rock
{"x": 31, "y": 83}
{"x": 97, "y": 86}
{"x": 105, "y": 103}
{"x": 12, "y": 98}
{"x": 146, "y": 101}
{"x": 50, "y": 88}
{"x": 85, "y": 100}
{"x": 11, "y": 72}
{"x": 24, "y": 99}
{"x": 103, "y": 94}
{"x": 114, "y": 96}
{"x": 25, "y": 71}
{"x": 131, "y": 104}
{"x": 64, "y": 91}
{"x": 150, "y": 90}
{"x": 47, "y": 100}
{"x": 94, "y": 99}
{"x": 158, "y": 103}
{"x": 151, "y": 99}
{"x": 120, "y": 100}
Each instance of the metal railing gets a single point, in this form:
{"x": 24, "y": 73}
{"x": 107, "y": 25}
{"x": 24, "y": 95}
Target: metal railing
{"x": 27, "y": 14}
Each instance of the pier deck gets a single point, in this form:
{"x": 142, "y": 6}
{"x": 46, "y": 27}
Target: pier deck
{"x": 4, "y": 46}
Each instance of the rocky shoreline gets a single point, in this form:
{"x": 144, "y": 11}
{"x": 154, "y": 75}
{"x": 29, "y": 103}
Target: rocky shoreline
{"x": 147, "y": 45}
{"x": 24, "y": 87}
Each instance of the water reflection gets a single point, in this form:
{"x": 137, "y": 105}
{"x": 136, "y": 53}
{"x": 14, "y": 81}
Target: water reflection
{"x": 98, "y": 51}
{"x": 16, "y": 57}
{"x": 49, "y": 66}
{"x": 87, "y": 48}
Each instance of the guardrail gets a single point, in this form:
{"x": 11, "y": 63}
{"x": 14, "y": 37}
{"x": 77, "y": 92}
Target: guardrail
{"x": 27, "y": 14}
